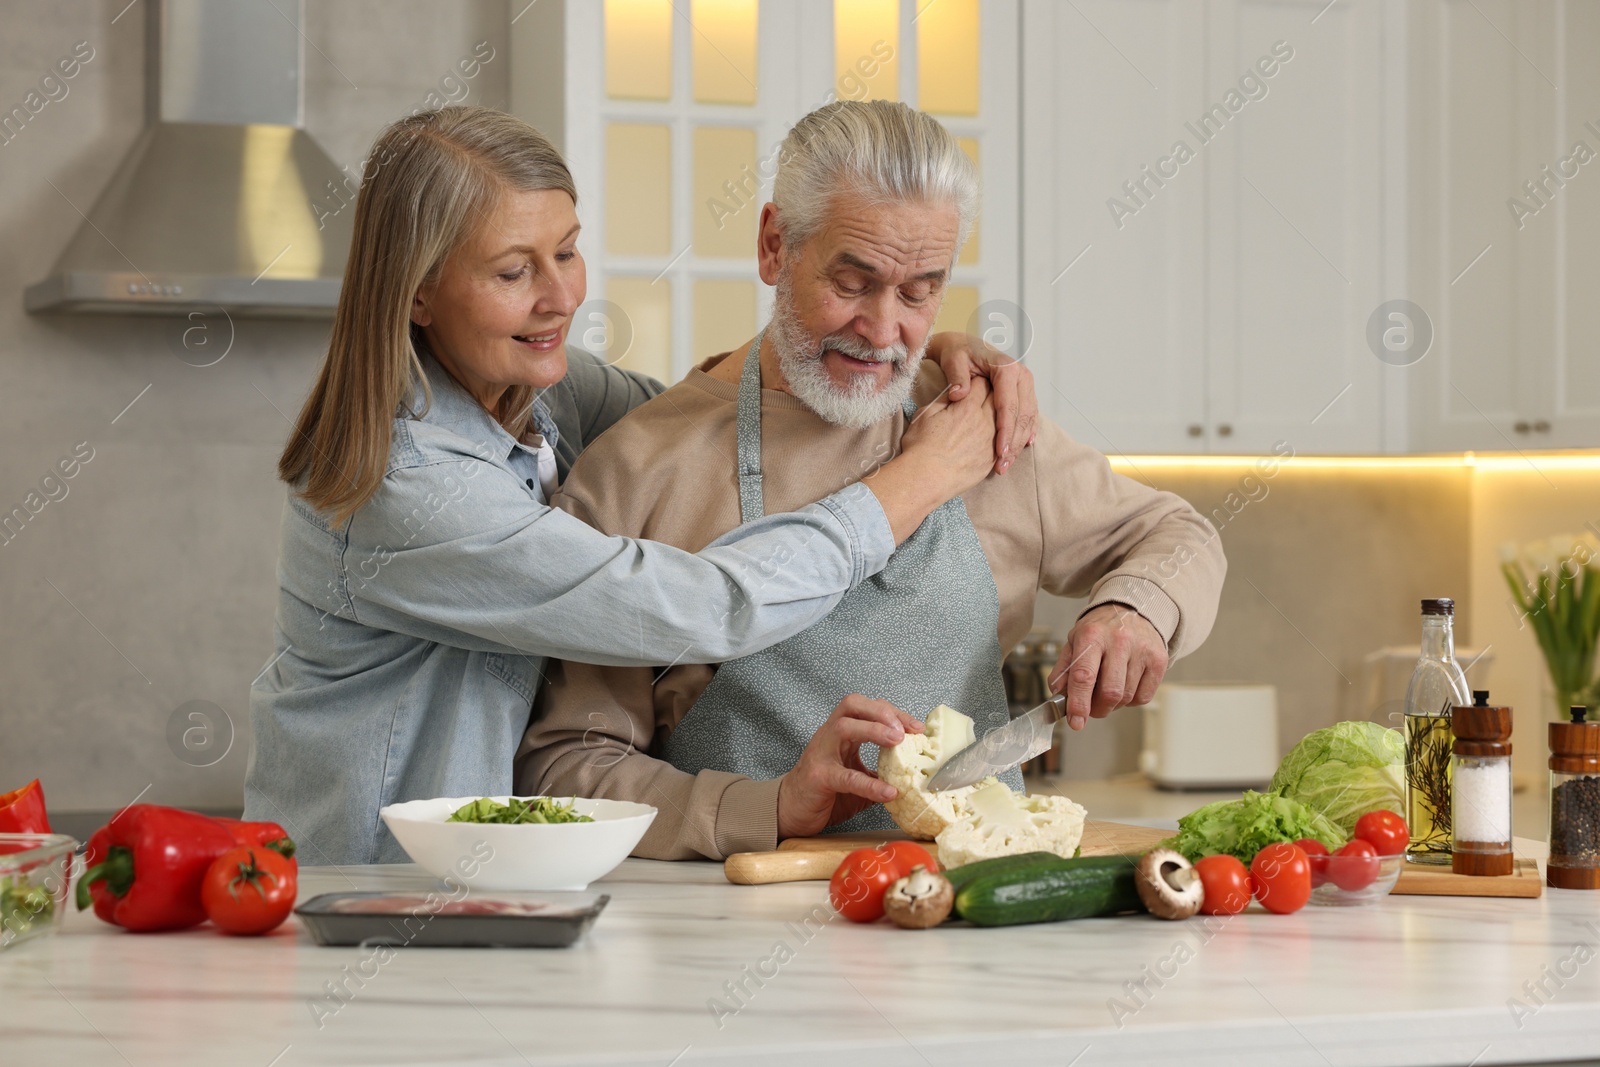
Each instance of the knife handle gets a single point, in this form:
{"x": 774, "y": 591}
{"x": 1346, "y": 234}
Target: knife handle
{"x": 1058, "y": 706}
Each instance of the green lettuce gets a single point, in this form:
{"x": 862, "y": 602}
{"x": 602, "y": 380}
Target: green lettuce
{"x": 534, "y": 810}
{"x": 1345, "y": 771}
{"x": 1243, "y": 827}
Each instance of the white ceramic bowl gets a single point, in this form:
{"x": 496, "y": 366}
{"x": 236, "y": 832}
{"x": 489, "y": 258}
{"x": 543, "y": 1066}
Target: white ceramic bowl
{"x": 518, "y": 856}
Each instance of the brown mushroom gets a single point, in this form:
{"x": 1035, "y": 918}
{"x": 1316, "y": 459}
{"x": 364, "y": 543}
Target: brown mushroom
{"x": 919, "y": 900}
{"x": 1168, "y": 884}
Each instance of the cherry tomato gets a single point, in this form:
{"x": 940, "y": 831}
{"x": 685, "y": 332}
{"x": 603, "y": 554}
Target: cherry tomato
{"x": 857, "y": 887}
{"x": 1317, "y": 853}
{"x": 1226, "y": 884}
{"x": 249, "y": 890}
{"x": 1355, "y": 866}
{"x": 1282, "y": 875}
{"x": 1385, "y": 831}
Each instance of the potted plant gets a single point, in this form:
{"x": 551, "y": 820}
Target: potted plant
{"x": 1556, "y": 586}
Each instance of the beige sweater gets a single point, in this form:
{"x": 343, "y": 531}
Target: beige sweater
{"x": 1059, "y": 520}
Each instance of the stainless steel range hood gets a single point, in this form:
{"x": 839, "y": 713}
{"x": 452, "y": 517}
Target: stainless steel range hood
{"x": 223, "y": 200}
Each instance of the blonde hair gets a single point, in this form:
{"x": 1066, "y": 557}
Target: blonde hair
{"x": 434, "y": 178}
{"x": 880, "y": 149}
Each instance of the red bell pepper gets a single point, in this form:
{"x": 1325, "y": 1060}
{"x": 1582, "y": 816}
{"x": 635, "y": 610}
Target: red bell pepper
{"x": 146, "y": 866}
{"x": 267, "y": 834}
{"x": 22, "y": 810}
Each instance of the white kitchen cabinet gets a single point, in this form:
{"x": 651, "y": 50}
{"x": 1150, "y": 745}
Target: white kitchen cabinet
{"x": 1209, "y": 298}
{"x": 1203, "y": 189}
{"x": 1504, "y": 223}
{"x": 1119, "y": 335}
{"x": 1294, "y": 226}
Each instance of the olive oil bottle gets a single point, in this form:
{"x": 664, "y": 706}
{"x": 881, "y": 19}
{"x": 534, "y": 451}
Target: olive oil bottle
{"x": 1437, "y": 685}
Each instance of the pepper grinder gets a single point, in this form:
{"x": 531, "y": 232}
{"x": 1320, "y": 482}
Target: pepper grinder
{"x": 1574, "y": 803}
{"x": 1480, "y": 784}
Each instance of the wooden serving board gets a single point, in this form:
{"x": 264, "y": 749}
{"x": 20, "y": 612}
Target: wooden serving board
{"x": 800, "y": 859}
{"x": 1422, "y": 880}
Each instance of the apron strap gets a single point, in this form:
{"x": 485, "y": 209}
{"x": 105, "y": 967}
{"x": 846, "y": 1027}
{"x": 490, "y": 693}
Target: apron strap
{"x": 751, "y": 504}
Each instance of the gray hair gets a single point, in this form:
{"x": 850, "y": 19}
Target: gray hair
{"x": 431, "y": 180}
{"x": 880, "y": 149}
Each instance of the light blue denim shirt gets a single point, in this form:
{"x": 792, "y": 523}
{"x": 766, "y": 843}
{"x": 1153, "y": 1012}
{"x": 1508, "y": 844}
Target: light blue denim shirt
{"x": 411, "y": 638}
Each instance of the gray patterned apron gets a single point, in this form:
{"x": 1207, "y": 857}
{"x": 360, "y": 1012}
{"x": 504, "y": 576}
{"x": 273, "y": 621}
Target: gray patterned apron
{"x": 921, "y": 632}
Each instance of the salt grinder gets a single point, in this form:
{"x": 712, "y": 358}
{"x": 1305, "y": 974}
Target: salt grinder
{"x": 1574, "y": 803}
{"x": 1480, "y": 784}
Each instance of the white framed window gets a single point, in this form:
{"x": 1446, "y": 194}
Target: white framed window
{"x": 671, "y": 115}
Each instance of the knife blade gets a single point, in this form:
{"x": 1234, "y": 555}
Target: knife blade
{"x": 1003, "y": 748}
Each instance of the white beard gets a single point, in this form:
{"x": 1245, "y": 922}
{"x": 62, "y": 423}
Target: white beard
{"x": 860, "y": 404}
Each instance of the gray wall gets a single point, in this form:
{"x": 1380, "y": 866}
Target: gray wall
{"x": 151, "y": 583}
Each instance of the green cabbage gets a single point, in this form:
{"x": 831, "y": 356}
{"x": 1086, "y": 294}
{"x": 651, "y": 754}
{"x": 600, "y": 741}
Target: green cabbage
{"x": 1243, "y": 827}
{"x": 1345, "y": 771}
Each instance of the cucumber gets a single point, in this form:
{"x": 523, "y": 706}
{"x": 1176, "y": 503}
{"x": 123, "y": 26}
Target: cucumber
{"x": 961, "y": 877}
{"x": 1049, "y": 892}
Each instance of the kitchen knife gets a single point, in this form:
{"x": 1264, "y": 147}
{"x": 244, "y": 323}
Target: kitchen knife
{"x": 1003, "y": 748}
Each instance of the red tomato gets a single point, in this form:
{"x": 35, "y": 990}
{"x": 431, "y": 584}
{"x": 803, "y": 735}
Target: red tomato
{"x": 1355, "y": 866}
{"x": 1317, "y": 853}
{"x": 856, "y": 890}
{"x": 1385, "y": 831}
{"x": 1226, "y": 884}
{"x": 910, "y": 854}
{"x": 1282, "y": 875}
{"x": 249, "y": 890}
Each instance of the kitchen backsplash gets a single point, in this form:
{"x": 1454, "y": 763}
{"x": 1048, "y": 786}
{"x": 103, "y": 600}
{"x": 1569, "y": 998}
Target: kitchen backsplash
{"x": 1329, "y": 565}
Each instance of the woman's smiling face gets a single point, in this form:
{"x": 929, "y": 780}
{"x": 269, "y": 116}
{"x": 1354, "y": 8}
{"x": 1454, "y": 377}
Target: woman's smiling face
{"x": 498, "y": 314}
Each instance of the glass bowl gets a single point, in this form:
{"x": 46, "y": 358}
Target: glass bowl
{"x": 1329, "y": 895}
{"x": 35, "y": 870}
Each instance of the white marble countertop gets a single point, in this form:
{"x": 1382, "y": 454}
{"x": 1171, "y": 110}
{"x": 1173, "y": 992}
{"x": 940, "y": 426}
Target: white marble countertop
{"x": 1411, "y": 980}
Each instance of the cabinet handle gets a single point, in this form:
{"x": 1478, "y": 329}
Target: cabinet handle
{"x": 1520, "y": 426}
{"x": 1225, "y": 430}
{"x": 1195, "y": 429}
{"x": 1541, "y": 426}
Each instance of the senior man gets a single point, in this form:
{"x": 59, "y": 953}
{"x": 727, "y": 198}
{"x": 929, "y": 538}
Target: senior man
{"x": 870, "y": 206}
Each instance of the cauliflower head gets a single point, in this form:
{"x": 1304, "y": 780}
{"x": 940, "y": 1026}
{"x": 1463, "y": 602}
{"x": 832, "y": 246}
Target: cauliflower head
{"x": 908, "y": 766}
{"x": 974, "y": 822}
{"x": 993, "y": 821}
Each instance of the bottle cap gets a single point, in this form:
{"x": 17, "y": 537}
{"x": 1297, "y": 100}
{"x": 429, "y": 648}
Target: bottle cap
{"x": 1439, "y": 606}
{"x": 1575, "y": 745}
{"x": 1481, "y": 730}
{"x": 1480, "y": 698}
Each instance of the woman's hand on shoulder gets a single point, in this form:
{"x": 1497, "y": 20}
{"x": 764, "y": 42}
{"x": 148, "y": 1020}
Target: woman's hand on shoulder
{"x": 963, "y": 357}
{"x": 947, "y": 449}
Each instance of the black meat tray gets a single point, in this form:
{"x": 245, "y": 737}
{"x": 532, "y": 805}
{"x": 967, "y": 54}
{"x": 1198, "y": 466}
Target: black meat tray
{"x": 434, "y": 920}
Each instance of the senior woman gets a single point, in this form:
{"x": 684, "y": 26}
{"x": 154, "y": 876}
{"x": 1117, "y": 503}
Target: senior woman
{"x": 423, "y": 580}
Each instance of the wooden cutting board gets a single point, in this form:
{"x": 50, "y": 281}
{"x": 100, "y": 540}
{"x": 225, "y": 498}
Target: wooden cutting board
{"x": 1421, "y": 880}
{"x": 800, "y": 859}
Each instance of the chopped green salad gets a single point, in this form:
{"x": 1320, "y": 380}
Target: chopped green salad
{"x": 534, "y": 810}
{"x": 22, "y": 905}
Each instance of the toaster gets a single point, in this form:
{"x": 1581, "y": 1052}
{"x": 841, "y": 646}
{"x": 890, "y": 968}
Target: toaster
{"x": 1211, "y": 735}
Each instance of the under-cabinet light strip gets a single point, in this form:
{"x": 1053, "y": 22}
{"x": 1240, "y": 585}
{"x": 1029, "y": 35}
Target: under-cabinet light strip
{"x": 1495, "y": 461}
